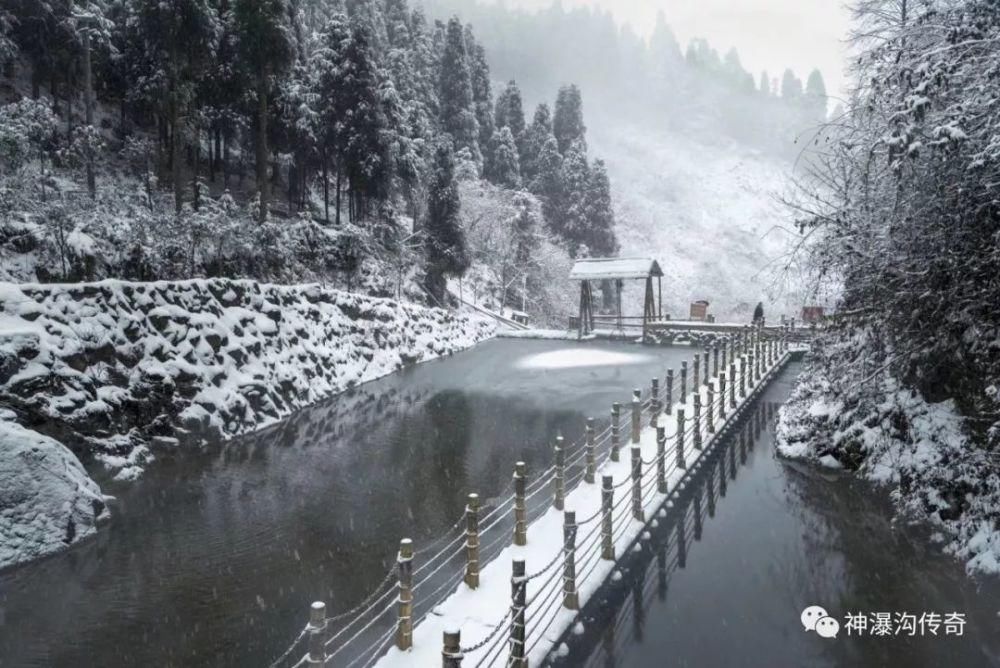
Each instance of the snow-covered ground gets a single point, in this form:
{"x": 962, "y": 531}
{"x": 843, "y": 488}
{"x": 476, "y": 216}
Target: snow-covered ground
{"x": 919, "y": 451}
{"x": 116, "y": 370}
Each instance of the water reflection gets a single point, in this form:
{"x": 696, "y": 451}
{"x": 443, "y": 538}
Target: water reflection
{"x": 753, "y": 541}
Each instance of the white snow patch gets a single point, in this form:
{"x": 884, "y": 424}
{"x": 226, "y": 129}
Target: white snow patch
{"x": 580, "y": 357}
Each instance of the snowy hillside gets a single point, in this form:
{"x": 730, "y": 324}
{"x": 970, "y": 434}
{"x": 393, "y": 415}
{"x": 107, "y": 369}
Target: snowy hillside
{"x": 707, "y": 212}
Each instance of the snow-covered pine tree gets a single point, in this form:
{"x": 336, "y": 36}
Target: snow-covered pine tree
{"x": 504, "y": 167}
{"x": 458, "y": 109}
{"x": 601, "y": 239}
{"x": 482, "y": 90}
{"x": 568, "y": 124}
{"x": 535, "y": 137}
{"x": 572, "y": 222}
{"x": 445, "y": 247}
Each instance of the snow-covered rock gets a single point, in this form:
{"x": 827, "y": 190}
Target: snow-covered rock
{"x": 47, "y": 500}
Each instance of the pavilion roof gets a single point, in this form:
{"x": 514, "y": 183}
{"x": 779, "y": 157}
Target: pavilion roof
{"x": 599, "y": 268}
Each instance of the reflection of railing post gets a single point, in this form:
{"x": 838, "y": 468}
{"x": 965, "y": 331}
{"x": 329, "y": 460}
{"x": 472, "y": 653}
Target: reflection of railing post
{"x": 317, "y": 633}
{"x": 472, "y": 541}
{"x": 722, "y": 395}
{"x": 680, "y": 439}
{"x": 616, "y": 412}
{"x": 520, "y": 510}
{"x": 710, "y": 491}
{"x": 637, "y": 483}
{"x": 636, "y": 414}
{"x": 684, "y": 382}
{"x": 559, "y": 479}
{"x": 682, "y": 539}
{"x": 404, "y": 624}
{"x": 668, "y": 402}
{"x": 710, "y": 427}
{"x": 451, "y": 652}
{"x": 697, "y": 420}
{"x": 661, "y": 456}
{"x": 654, "y": 402}
{"x": 607, "y": 502}
{"x": 590, "y": 456}
{"x": 571, "y": 600}
{"x": 518, "y": 590}
{"x": 697, "y": 514}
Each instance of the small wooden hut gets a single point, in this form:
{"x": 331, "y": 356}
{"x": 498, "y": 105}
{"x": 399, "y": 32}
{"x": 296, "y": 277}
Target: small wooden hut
{"x": 618, "y": 270}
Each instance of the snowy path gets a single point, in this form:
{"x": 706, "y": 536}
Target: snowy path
{"x": 479, "y": 613}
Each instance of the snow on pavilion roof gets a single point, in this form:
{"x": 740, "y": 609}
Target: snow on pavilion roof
{"x": 614, "y": 267}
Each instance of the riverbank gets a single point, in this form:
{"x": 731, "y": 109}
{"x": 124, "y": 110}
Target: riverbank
{"x": 921, "y": 452}
{"x": 117, "y": 371}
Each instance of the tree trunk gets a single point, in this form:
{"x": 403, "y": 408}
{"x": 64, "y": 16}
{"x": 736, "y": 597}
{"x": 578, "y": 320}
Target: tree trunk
{"x": 262, "y": 180}
{"x": 88, "y": 100}
{"x": 175, "y": 153}
{"x": 338, "y": 193}
{"x": 195, "y": 186}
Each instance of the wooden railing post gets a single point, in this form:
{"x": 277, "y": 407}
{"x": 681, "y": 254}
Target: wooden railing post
{"x": 732, "y": 385}
{"x": 715, "y": 360}
{"x": 696, "y": 375}
{"x": 518, "y": 598}
{"x": 590, "y": 457}
{"x": 636, "y": 415}
{"x": 710, "y": 413}
{"x": 743, "y": 377}
{"x": 571, "y": 599}
{"x": 722, "y": 395}
{"x": 616, "y": 412}
{"x": 472, "y": 541}
{"x": 725, "y": 346}
{"x": 637, "y": 483}
{"x": 684, "y": 382}
{"x": 520, "y": 509}
{"x": 451, "y": 652}
{"x": 668, "y": 403}
{"x": 404, "y": 623}
{"x": 317, "y": 634}
{"x": 661, "y": 456}
{"x": 705, "y": 368}
{"x": 680, "y": 439}
{"x": 607, "y": 503}
{"x": 654, "y": 402}
{"x": 559, "y": 479}
{"x": 697, "y": 420}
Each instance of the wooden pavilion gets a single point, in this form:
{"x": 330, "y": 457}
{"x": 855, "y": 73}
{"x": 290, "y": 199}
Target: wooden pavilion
{"x": 618, "y": 270}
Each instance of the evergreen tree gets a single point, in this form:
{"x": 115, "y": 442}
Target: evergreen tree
{"x": 600, "y": 213}
{"x": 504, "y": 165}
{"x": 444, "y": 243}
{"x": 510, "y": 110}
{"x": 815, "y": 95}
{"x": 568, "y": 124}
{"x": 534, "y": 139}
{"x": 664, "y": 49}
{"x": 791, "y": 87}
{"x": 482, "y": 91}
{"x": 572, "y": 222}
{"x": 547, "y": 181}
{"x": 266, "y": 51}
{"x": 457, "y": 105}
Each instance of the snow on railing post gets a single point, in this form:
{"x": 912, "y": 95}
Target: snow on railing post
{"x": 637, "y": 483}
{"x": 710, "y": 425}
{"x": 722, "y": 395}
{"x": 715, "y": 360}
{"x": 451, "y": 652}
{"x": 571, "y": 599}
{"x": 317, "y": 634}
{"x": 518, "y": 598}
{"x": 732, "y": 385}
{"x": 697, "y": 420}
{"x": 559, "y": 479}
{"x": 607, "y": 502}
{"x": 661, "y": 457}
{"x": 472, "y": 541}
{"x": 520, "y": 510}
{"x": 669, "y": 400}
{"x": 636, "y": 415}
{"x": 590, "y": 455}
{"x": 705, "y": 368}
{"x": 684, "y": 382}
{"x": 654, "y": 402}
{"x": 680, "y": 439}
{"x": 616, "y": 418}
{"x": 696, "y": 375}
{"x": 404, "y": 623}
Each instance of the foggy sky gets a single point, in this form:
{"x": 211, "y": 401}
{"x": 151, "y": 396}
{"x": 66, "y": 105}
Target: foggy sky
{"x": 769, "y": 34}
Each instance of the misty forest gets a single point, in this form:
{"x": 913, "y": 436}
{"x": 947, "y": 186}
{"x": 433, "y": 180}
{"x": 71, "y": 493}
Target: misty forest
{"x": 283, "y": 282}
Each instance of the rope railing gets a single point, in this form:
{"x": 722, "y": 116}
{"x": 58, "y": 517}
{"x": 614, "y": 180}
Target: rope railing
{"x": 580, "y": 556}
